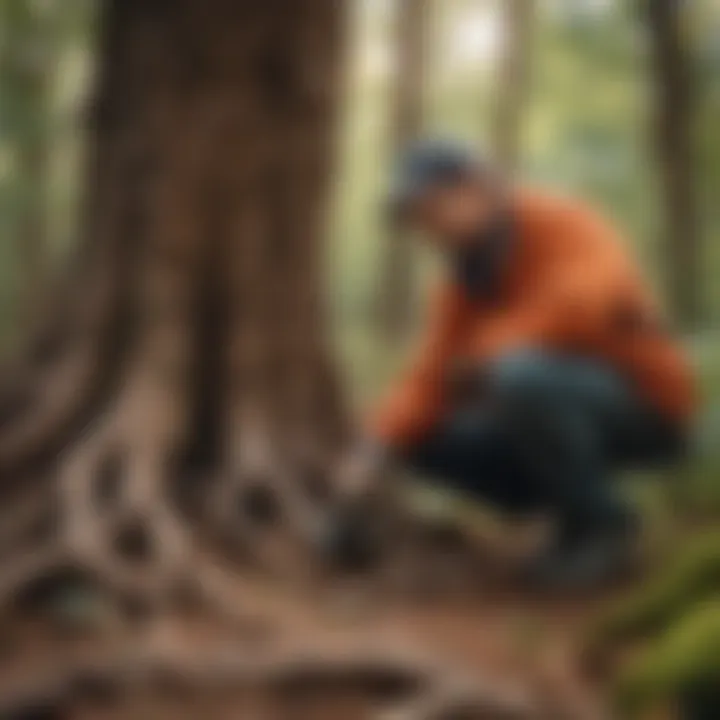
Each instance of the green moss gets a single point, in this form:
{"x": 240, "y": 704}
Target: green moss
{"x": 691, "y": 577}
{"x": 685, "y": 657}
{"x": 677, "y": 615}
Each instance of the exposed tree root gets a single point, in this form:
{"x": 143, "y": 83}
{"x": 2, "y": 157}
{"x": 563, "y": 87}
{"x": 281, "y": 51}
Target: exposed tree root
{"x": 395, "y": 686}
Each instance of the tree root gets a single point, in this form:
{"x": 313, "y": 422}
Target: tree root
{"x": 395, "y": 686}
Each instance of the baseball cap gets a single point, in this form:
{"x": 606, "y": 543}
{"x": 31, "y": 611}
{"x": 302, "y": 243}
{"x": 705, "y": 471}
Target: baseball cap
{"x": 427, "y": 164}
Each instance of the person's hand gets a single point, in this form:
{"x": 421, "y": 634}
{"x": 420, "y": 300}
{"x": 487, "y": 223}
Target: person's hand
{"x": 360, "y": 470}
{"x": 352, "y": 541}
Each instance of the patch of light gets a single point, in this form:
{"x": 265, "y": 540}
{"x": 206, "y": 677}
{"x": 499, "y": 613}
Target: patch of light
{"x": 473, "y": 40}
{"x": 374, "y": 55}
{"x": 469, "y": 39}
{"x": 376, "y": 60}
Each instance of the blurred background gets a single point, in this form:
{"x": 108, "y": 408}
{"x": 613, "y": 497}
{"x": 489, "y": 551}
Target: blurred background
{"x": 615, "y": 101}
{"x": 602, "y": 98}
{"x": 576, "y": 96}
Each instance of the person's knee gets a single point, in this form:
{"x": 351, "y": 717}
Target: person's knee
{"x": 526, "y": 379}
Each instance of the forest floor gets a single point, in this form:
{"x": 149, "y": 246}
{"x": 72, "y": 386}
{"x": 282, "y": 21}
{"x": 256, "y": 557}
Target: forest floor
{"x": 347, "y": 653}
{"x": 297, "y": 650}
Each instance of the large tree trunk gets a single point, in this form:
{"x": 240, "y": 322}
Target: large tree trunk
{"x": 190, "y": 342}
{"x": 673, "y": 125}
{"x": 396, "y": 289}
{"x": 513, "y": 80}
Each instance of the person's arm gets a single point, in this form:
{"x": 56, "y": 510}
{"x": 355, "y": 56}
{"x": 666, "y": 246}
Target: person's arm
{"x": 414, "y": 405}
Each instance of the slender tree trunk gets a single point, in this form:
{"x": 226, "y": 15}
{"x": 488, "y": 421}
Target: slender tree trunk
{"x": 396, "y": 291}
{"x": 26, "y": 70}
{"x": 32, "y": 233}
{"x": 673, "y": 126}
{"x": 513, "y": 76}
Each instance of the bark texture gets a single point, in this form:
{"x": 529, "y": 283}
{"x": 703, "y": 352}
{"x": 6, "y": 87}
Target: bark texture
{"x": 674, "y": 118}
{"x": 182, "y": 380}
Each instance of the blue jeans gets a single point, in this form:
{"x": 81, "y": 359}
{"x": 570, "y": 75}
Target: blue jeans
{"x": 547, "y": 433}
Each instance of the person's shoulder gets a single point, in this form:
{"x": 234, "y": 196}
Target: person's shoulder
{"x": 555, "y": 214}
{"x": 549, "y": 205}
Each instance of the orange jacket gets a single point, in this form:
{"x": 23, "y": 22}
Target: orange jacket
{"x": 569, "y": 286}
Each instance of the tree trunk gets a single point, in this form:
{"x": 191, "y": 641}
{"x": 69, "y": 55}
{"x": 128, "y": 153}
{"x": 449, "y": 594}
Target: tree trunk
{"x": 396, "y": 290}
{"x": 513, "y": 80}
{"x": 185, "y": 380}
{"x": 673, "y": 125}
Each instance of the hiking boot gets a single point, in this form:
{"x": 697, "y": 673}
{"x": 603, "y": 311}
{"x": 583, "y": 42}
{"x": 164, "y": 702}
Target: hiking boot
{"x": 586, "y": 559}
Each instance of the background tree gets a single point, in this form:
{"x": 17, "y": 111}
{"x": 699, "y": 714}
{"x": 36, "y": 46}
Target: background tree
{"x": 27, "y": 62}
{"x": 674, "y": 125}
{"x": 514, "y": 63}
{"x": 396, "y": 292}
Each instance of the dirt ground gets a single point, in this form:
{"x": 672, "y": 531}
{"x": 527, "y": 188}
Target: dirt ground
{"x": 343, "y": 655}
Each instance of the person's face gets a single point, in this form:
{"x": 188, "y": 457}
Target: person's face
{"x": 453, "y": 215}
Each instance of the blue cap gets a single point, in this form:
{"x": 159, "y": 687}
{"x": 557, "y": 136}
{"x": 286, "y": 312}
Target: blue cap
{"x": 428, "y": 164}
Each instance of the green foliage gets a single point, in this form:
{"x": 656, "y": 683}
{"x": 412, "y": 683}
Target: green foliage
{"x": 38, "y": 140}
{"x": 685, "y": 658}
{"x": 691, "y": 577}
{"x": 676, "y": 618}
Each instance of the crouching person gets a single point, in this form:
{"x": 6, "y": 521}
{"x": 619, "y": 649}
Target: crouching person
{"x": 545, "y": 367}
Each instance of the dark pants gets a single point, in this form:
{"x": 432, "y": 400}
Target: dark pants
{"x": 547, "y": 433}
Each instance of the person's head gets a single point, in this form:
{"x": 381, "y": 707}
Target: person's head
{"x": 444, "y": 190}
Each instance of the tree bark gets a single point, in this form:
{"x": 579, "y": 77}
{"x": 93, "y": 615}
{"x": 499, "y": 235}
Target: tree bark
{"x": 190, "y": 342}
{"x": 673, "y": 130}
{"x": 396, "y": 291}
{"x": 513, "y": 80}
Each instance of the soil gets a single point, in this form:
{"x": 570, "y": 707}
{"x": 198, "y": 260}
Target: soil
{"x": 346, "y": 654}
